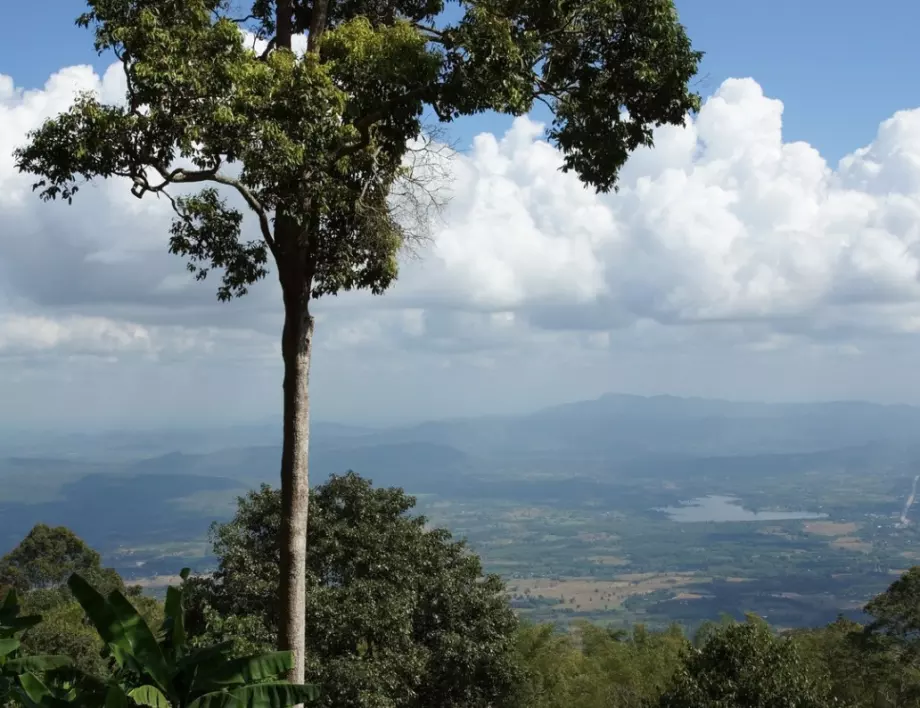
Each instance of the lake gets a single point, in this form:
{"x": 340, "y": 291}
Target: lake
{"x": 719, "y": 508}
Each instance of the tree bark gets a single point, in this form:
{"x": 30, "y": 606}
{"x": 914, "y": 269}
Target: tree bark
{"x": 283, "y": 23}
{"x": 296, "y": 345}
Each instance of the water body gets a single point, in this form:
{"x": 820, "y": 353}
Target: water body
{"x": 719, "y": 508}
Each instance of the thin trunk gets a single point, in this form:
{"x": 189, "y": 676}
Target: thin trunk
{"x": 317, "y": 24}
{"x": 296, "y": 342}
{"x": 295, "y": 487}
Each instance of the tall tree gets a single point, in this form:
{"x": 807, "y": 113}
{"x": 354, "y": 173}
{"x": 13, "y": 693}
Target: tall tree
{"x": 398, "y": 614}
{"x": 315, "y": 144}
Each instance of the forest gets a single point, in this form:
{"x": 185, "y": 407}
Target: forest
{"x": 400, "y": 614}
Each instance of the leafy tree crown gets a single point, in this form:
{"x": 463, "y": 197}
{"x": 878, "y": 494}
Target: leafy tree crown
{"x": 316, "y": 144}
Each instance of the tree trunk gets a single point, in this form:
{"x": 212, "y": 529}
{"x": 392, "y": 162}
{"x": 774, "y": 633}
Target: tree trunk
{"x": 295, "y": 487}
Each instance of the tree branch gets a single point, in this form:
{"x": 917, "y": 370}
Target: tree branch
{"x": 268, "y": 48}
{"x": 436, "y": 35}
{"x": 367, "y": 121}
{"x": 180, "y": 175}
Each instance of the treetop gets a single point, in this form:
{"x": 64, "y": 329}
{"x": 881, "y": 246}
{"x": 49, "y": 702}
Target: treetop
{"x": 314, "y": 144}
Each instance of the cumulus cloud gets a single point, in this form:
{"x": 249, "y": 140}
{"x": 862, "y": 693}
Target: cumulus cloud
{"x": 723, "y": 234}
{"x": 721, "y": 222}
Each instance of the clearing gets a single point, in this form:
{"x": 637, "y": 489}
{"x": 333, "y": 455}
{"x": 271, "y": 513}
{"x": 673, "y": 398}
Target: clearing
{"x": 607, "y": 594}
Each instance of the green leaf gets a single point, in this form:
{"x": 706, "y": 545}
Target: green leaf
{"x": 34, "y": 688}
{"x": 149, "y": 696}
{"x": 184, "y": 573}
{"x": 38, "y": 664}
{"x": 11, "y": 601}
{"x": 175, "y": 614}
{"x": 12, "y": 625}
{"x": 8, "y": 646}
{"x": 265, "y": 695}
{"x": 143, "y": 642}
{"x": 103, "y": 617}
{"x": 249, "y": 669}
{"x": 203, "y": 656}
{"x": 115, "y": 697}
{"x": 20, "y": 624}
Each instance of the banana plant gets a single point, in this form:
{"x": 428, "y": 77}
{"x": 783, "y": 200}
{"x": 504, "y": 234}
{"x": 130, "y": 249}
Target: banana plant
{"x": 165, "y": 672}
{"x": 19, "y": 672}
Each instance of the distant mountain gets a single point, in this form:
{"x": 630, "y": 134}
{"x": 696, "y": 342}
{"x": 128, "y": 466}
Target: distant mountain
{"x": 112, "y": 509}
{"x": 619, "y": 427}
{"x": 122, "y": 445}
{"x": 609, "y": 430}
{"x": 399, "y": 464}
{"x": 607, "y": 450}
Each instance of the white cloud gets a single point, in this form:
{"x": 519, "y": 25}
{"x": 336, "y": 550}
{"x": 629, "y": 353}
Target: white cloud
{"x": 721, "y": 221}
{"x": 722, "y": 236}
{"x": 93, "y": 334}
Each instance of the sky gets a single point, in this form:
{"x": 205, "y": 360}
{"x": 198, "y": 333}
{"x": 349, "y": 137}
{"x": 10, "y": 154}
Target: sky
{"x": 768, "y": 250}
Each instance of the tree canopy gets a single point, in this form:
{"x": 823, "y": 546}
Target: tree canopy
{"x": 397, "y": 614}
{"x": 594, "y": 666}
{"x": 747, "y": 665}
{"x": 47, "y": 556}
{"x": 313, "y": 144}
{"x": 401, "y": 615}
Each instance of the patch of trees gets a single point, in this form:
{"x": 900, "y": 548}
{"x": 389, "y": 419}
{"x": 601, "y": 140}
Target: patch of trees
{"x": 401, "y": 615}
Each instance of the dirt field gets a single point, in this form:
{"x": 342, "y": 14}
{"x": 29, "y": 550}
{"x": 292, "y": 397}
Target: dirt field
{"x": 588, "y": 593}
{"x": 159, "y": 581}
{"x": 830, "y": 528}
{"x": 849, "y": 543}
{"x": 690, "y": 596}
{"x": 839, "y": 535}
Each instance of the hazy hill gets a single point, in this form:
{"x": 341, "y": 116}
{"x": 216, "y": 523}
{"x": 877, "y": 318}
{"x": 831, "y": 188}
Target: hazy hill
{"x": 612, "y": 428}
{"x": 618, "y": 427}
{"x": 400, "y": 464}
{"x": 174, "y": 482}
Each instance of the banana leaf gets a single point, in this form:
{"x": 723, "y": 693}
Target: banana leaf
{"x": 265, "y": 695}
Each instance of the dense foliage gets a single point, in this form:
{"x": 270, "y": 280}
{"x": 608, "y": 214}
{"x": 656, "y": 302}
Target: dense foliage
{"x": 402, "y": 616}
{"x": 596, "y": 666}
{"x": 746, "y": 665}
{"x": 397, "y": 614}
{"x": 39, "y": 568}
{"x": 159, "y": 670}
{"x": 47, "y": 557}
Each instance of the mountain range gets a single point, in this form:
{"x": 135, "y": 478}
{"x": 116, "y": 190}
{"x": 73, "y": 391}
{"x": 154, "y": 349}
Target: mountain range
{"x": 571, "y": 451}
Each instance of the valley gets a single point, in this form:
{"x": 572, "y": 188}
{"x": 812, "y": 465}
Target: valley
{"x": 617, "y": 511}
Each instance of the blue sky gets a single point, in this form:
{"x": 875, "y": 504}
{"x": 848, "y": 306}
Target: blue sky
{"x": 841, "y": 67}
{"x": 747, "y": 270}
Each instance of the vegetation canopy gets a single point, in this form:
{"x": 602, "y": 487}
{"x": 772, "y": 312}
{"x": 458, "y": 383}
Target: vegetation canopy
{"x": 313, "y": 144}
{"x": 398, "y": 614}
